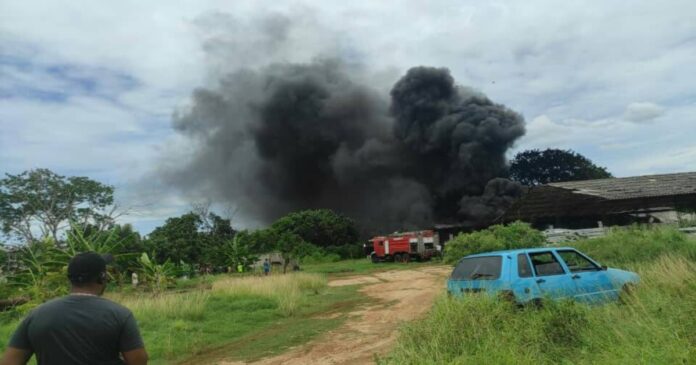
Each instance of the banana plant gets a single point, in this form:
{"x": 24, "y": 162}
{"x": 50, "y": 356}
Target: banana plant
{"x": 157, "y": 276}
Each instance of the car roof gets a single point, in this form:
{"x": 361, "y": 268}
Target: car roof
{"x": 518, "y": 251}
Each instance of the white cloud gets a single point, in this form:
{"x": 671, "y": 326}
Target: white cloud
{"x": 643, "y": 112}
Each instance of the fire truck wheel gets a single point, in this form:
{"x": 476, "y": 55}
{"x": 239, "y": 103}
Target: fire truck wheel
{"x": 406, "y": 257}
{"x": 397, "y": 257}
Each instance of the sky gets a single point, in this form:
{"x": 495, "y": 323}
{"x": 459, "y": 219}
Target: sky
{"x": 90, "y": 88}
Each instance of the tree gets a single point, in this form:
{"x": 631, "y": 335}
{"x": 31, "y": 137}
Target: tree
{"x": 535, "y": 167}
{"x": 119, "y": 240}
{"x": 236, "y": 251}
{"x": 41, "y": 199}
{"x": 177, "y": 240}
{"x": 191, "y": 238}
{"x": 292, "y": 246}
{"x": 320, "y": 227}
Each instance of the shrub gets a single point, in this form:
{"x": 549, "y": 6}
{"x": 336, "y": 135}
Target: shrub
{"x": 348, "y": 251}
{"x": 494, "y": 238}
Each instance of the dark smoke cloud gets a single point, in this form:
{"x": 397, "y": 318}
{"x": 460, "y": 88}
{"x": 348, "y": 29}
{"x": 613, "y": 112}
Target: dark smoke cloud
{"x": 296, "y": 136}
{"x": 498, "y": 195}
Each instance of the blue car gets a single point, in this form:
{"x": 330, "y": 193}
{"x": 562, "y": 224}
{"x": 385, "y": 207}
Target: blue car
{"x": 530, "y": 275}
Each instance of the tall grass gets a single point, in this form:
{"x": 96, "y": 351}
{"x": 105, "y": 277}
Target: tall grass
{"x": 287, "y": 290}
{"x": 638, "y": 244}
{"x": 187, "y": 306}
{"x": 656, "y": 325}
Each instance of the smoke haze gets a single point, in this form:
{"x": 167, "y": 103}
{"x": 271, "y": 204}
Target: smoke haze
{"x": 288, "y": 136}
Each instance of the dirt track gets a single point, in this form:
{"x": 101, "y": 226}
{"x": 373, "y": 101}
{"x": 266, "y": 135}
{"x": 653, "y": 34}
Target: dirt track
{"x": 400, "y": 295}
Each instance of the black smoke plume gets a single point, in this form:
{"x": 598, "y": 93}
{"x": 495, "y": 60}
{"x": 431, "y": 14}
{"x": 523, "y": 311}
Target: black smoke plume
{"x": 297, "y": 136}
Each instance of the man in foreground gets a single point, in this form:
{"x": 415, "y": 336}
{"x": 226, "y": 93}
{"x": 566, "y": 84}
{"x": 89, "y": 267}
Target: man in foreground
{"x": 81, "y": 328}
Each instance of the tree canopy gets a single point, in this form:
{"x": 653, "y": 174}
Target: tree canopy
{"x": 320, "y": 227}
{"x": 45, "y": 201}
{"x": 536, "y": 167}
{"x": 190, "y": 238}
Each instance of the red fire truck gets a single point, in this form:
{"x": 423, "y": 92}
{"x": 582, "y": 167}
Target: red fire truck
{"x": 404, "y": 247}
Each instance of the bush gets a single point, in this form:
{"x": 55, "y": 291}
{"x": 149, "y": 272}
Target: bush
{"x": 320, "y": 227}
{"x": 494, "y": 238}
{"x": 351, "y": 251}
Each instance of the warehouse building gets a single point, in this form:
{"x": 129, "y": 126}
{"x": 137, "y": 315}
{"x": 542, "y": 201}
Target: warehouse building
{"x": 666, "y": 198}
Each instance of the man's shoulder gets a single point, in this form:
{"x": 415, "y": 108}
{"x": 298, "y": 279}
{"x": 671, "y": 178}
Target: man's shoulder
{"x": 85, "y": 303}
{"x": 116, "y": 307}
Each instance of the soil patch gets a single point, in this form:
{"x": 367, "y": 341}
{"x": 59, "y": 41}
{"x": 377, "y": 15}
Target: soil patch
{"x": 399, "y": 295}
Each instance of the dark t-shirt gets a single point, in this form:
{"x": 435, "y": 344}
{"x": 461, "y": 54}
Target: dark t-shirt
{"x": 78, "y": 329}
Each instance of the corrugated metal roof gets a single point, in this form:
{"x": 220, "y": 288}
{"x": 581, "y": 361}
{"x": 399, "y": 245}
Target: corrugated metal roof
{"x": 635, "y": 186}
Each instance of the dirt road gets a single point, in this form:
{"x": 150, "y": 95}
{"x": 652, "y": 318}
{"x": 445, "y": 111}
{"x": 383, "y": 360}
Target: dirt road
{"x": 400, "y": 295}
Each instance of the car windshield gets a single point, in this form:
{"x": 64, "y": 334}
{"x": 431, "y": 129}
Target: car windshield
{"x": 478, "y": 268}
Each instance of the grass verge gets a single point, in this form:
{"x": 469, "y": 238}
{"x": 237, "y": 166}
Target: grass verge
{"x": 362, "y": 266}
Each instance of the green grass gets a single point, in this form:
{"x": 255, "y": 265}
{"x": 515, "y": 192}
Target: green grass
{"x": 361, "y": 266}
{"x": 282, "y": 332}
{"x": 637, "y": 244}
{"x": 240, "y": 317}
{"x": 657, "y": 325}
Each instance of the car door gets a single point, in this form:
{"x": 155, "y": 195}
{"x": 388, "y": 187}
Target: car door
{"x": 523, "y": 283}
{"x": 552, "y": 279}
{"x": 591, "y": 281}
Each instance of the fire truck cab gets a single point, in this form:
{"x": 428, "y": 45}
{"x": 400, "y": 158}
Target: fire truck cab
{"x": 404, "y": 247}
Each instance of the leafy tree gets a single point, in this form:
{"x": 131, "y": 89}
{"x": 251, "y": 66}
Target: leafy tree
{"x": 157, "y": 277}
{"x": 494, "y": 238}
{"x": 120, "y": 241}
{"x": 3, "y": 258}
{"x": 535, "y": 167}
{"x": 177, "y": 240}
{"x": 258, "y": 241}
{"x": 320, "y": 227}
{"x": 292, "y": 247}
{"x": 41, "y": 199}
{"x": 237, "y": 251}
{"x": 190, "y": 238}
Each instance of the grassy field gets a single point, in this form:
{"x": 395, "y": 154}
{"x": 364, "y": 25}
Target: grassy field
{"x": 238, "y": 317}
{"x": 360, "y": 266}
{"x": 657, "y": 325}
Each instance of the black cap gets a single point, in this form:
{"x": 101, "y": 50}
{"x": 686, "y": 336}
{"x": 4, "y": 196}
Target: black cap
{"x": 87, "y": 266}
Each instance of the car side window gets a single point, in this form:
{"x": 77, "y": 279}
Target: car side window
{"x": 577, "y": 262}
{"x": 523, "y": 269}
{"x": 545, "y": 264}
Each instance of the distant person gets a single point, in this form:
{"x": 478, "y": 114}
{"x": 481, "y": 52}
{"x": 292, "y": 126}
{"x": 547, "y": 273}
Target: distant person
{"x": 266, "y": 267}
{"x": 240, "y": 268}
{"x": 134, "y": 279}
{"x": 81, "y": 328}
